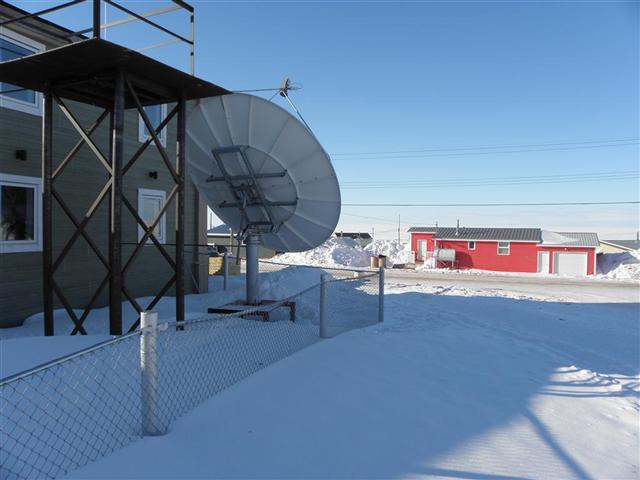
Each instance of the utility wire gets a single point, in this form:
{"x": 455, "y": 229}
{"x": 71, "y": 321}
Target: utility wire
{"x": 462, "y": 154}
{"x": 484, "y": 147}
{"x": 471, "y": 183}
{"x": 516, "y": 177}
{"x": 384, "y": 220}
{"x": 544, "y": 204}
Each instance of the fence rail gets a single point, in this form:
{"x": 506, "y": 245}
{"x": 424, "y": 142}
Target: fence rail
{"x": 60, "y": 416}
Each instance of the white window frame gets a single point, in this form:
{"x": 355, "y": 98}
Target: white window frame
{"x": 142, "y": 137}
{"x": 148, "y": 193}
{"x": 20, "y": 246}
{"x": 13, "y": 103}
{"x": 469, "y": 247}
{"x": 508, "y": 247}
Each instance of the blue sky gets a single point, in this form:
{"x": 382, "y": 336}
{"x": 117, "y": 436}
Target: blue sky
{"x": 407, "y": 76}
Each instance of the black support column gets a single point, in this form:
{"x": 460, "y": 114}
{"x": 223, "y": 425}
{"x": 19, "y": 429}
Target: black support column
{"x": 180, "y": 170}
{"x": 47, "y": 212}
{"x": 115, "y": 227}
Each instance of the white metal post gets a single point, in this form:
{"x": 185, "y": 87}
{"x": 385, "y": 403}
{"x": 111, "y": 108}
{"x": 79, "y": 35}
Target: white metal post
{"x": 225, "y": 269}
{"x": 149, "y": 368}
{"x": 381, "y": 294}
{"x": 324, "y": 316}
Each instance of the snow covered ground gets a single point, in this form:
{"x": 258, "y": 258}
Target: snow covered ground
{"x": 463, "y": 380}
{"x": 24, "y": 347}
{"x": 457, "y": 383}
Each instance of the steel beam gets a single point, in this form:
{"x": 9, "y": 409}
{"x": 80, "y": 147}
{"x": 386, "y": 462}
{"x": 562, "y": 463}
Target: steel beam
{"x": 258, "y": 203}
{"x": 180, "y": 169}
{"x": 246, "y": 177}
{"x": 152, "y": 132}
{"x": 80, "y": 227}
{"x": 148, "y": 141}
{"x": 115, "y": 227}
{"x": 148, "y": 230}
{"x": 83, "y": 134}
{"x": 79, "y": 144}
{"x": 67, "y": 306}
{"x": 96, "y": 19}
{"x": 47, "y": 211}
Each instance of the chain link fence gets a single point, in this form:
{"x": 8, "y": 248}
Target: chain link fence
{"x": 69, "y": 412}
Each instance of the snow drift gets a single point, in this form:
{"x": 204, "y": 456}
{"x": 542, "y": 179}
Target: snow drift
{"x": 395, "y": 251}
{"x": 345, "y": 252}
{"x": 620, "y": 266}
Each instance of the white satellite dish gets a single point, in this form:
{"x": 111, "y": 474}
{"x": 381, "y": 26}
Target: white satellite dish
{"x": 263, "y": 173}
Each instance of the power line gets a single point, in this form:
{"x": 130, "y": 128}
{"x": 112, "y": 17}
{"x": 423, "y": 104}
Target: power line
{"x": 546, "y": 204}
{"x": 462, "y": 154}
{"x": 484, "y": 147}
{"x": 480, "y": 182}
{"x": 515, "y": 177}
{"x": 383, "y": 220}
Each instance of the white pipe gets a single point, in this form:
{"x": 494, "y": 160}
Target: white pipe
{"x": 151, "y": 424}
{"x": 381, "y": 295}
{"x": 225, "y": 269}
{"x": 324, "y": 317}
{"x": 253, "y": 284}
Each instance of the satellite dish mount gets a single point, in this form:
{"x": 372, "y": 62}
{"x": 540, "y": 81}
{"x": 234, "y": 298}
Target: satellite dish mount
{"x": 266, "y": 176}
{"x": 248, "y": 195}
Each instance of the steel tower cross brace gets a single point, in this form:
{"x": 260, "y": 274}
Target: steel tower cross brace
{"x": 124, "y": 91}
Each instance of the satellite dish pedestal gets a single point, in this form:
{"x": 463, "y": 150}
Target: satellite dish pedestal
{"x": 253, "y": 285}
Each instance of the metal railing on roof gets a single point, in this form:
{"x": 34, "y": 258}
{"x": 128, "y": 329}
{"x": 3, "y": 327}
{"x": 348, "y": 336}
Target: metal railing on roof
{"x": 97, "y": 26}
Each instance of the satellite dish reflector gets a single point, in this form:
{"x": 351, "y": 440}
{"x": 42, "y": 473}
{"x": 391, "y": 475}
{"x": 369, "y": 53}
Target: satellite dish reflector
{"x": 262, "y": 172}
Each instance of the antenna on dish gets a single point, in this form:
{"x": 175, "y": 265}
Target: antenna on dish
{"x": 287, "y": 85}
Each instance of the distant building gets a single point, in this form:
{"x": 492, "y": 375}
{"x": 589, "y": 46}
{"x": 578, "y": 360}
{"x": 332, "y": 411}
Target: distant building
{"x": 618, "y": 246}
{"x": 221, "y": 237}
{"x": 361, "y": 238}
{"x": 506, "y": 249}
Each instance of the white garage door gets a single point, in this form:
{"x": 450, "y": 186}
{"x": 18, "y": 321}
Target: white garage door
{"x": 573, "y": 264}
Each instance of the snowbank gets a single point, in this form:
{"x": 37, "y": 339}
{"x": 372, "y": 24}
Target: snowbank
{"x": 335, "y": 252}
{"x": 620, "y": 266}
{"x": 395, "y": 251}
{"x": 345, "y": 252}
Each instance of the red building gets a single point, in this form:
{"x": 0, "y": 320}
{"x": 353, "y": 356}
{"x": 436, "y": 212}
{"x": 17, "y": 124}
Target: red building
{"x": 506, "y": 249}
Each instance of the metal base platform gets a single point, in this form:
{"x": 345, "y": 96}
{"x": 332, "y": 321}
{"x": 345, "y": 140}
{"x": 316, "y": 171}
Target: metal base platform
{"x": 263, "y": 309}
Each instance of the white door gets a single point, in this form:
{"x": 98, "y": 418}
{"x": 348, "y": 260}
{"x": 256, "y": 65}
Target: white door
{"x": 422, "y": 249}
{"x": 543, "y": 262}
{"x": 571, "y": 264}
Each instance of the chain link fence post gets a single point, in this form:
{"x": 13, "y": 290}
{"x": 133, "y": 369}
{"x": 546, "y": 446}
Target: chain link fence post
{"x": 324, "y": 314}
{"x": 149, "y": 370}
{"x": 381, "y": 294}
